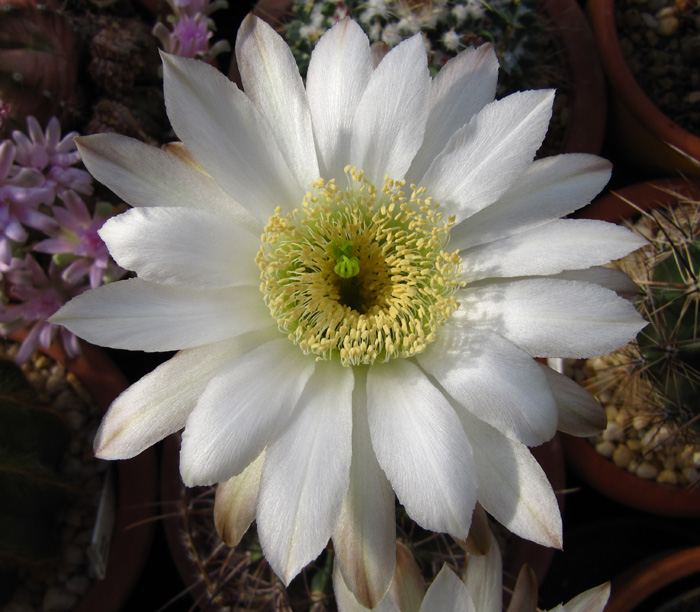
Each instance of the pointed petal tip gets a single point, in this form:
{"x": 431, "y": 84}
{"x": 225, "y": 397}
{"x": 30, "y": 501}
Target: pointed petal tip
{"x": 102, "y": 446}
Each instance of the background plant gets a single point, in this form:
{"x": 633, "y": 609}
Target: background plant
{"x": 50, "y": 250}
{"x": 656, "y": 380}
{"x": 515, "y": 28}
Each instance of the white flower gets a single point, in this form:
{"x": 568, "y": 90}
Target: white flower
{"x": 480, "y": 591}
{"x": 342, "y": 359}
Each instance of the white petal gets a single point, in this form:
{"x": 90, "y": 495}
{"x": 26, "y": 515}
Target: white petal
{"x": 241, "y": 411}
{"x": 421, "y": 447}
{"x": 610, "y": 278}
{"x": 512, "y": 486}
{"x": 524, "y": 598}
{"x": 553, "y": 318}
{"x": 408, "y": 587}
{"x": 592, "y": 600}
{"x": 448, "y": 594}
{"x": 338, "y": 72}
{"x": 464, "y": 85}
{"x": 485, "y": 157}
{"x": 225, "y": 132}
{"x": 346, "y": 601}
{"x": 236, "y": 501}
{"x": 146, "y": 176}
{"x": 364, "y": 539}
{"x": 565, "y": 244}
{"x": 159, "y": 403}
{"x": 306, "y": 473}
{"x": 484, "y": 579}
{"x": 140, "y": 316}
{"x": 580, "y": 414}
{"x": 494, "y": 380}
{"x": 550, "y": 188}
{"x": 390, "y": 120}
{"x": 183, "y": 247}
{"x": 271, "y": 79}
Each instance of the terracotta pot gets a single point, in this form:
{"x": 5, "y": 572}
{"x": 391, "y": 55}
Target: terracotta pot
{"x": 136, "y": 489}
{"x": 588, "y": 104}
{"x": 612, "y": 207}
{"x": 40, "y": 53}
{"x": 626, "y": 488}
{"x": 641, "y": 583}
{"x": 586, "y": 127}
{"x": 644, "y": 135}
{"x": 601, "y": 473}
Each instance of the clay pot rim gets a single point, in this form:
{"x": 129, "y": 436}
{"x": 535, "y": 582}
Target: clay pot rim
{"x": 639, "y": 582}
{"x": 626, "y": 488}
{"x": 586, "y": 128}
{"x": 136, "y": 484}
{"x": 646, "y": 195}
{"x": 622, "y": 80}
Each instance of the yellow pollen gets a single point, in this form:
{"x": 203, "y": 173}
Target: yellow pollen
{"x": 360, "y": 274}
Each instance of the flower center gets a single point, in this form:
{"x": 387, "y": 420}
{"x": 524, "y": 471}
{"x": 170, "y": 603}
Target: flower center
{"x": 358, "y": 274}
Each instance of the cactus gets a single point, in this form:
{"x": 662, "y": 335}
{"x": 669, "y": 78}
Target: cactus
{"x": 657, "y": 378}
{"x": 670, "y": 346}
{"x": 33, "y": 441}
{"x": 515, "y": 28}
{"x": 39, "y": 54}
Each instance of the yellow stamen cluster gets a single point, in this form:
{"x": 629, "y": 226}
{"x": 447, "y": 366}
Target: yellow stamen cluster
{"x": 402, "y": 284}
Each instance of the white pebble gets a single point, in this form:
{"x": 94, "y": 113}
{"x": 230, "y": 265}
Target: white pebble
{"x": 613, "y": 432}
{"x": 667, "y": 477}
{"x": 640, "y": 421}
{"x": 622, "y": 456}
{"x": 646, "y": 470}
{"x": 58, "y": 599}
{"x": 667, "y": 11}
{"x": 55, "y": 384}
{"x": 610, "y": 412}
{"x": 668, "y": 26}
{"x": 605, "y": 448}
{"x": 634, "y": 445}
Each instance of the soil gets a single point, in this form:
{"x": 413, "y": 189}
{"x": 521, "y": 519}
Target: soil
{"x": 660, "y": 40}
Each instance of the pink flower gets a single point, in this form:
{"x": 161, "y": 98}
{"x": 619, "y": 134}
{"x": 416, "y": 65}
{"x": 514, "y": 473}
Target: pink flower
{"x": 191, "y": 36}
{"x": 48, "y": 152}
{"x": 35, "y": 297}
{"x": 21, "y": 191}
{"x": 78, "y": 238}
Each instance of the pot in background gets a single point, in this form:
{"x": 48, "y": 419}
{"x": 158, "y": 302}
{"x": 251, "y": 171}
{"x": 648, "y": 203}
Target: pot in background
{"x": 644, "y": 135}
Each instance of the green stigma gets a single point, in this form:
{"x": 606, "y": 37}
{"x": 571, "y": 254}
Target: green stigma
{"x": 347, "y": 266}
